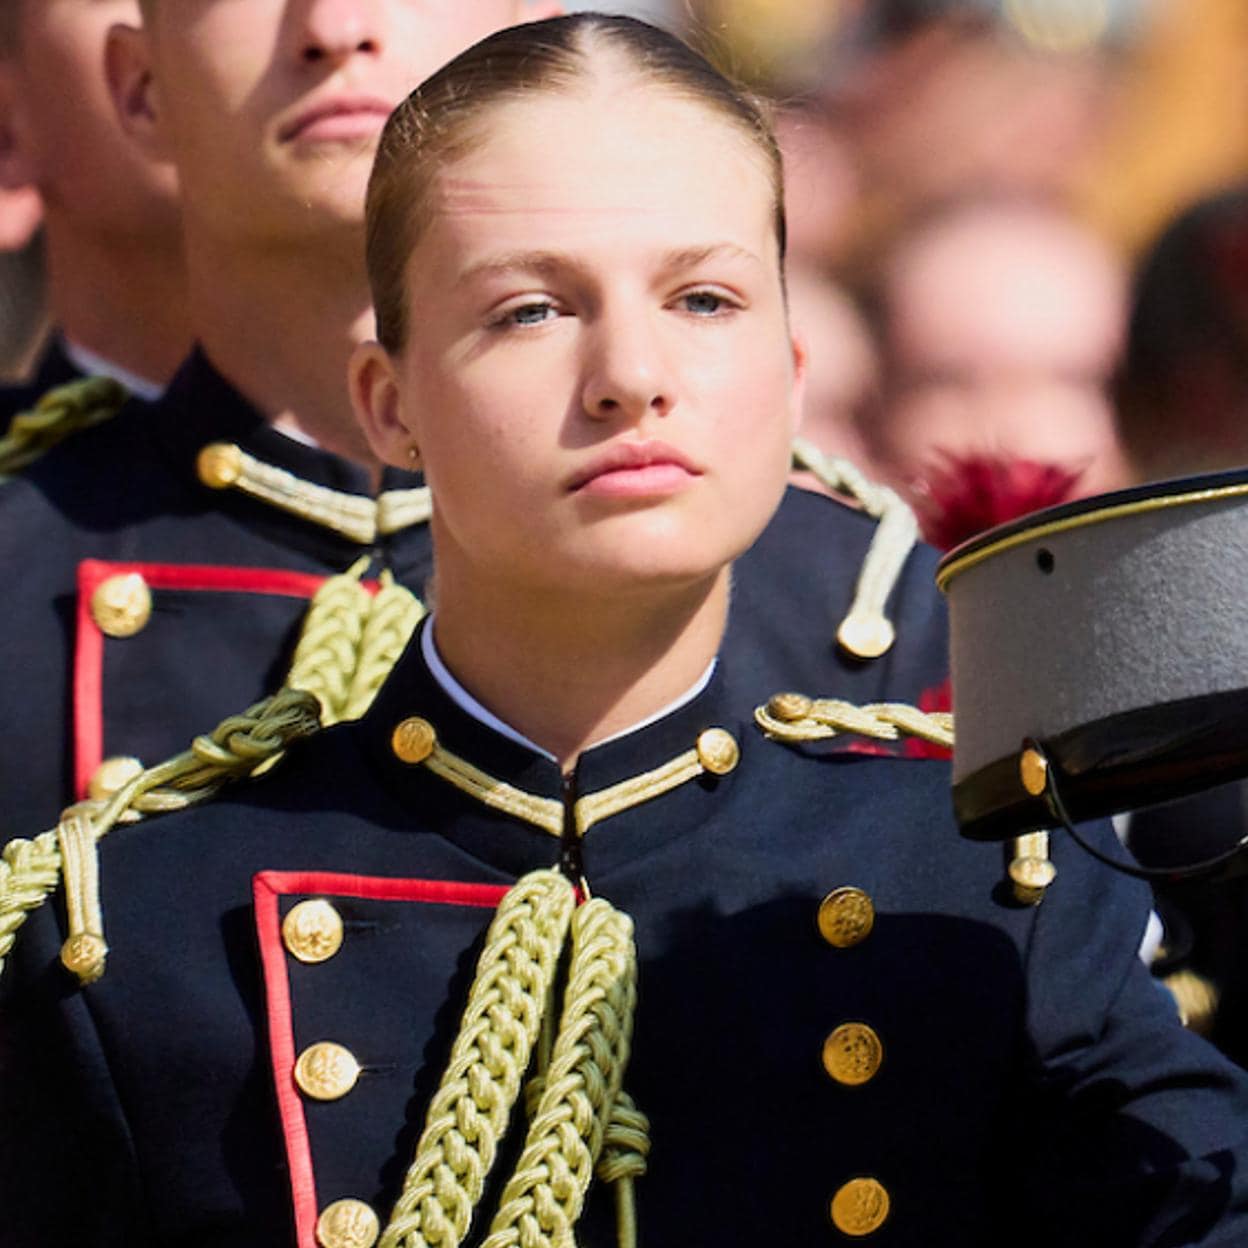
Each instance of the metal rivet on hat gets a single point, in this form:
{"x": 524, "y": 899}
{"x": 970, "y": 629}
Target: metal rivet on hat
{"x": 1033, "y": 770}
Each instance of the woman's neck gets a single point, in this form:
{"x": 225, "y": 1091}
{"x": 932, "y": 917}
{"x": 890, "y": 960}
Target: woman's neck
{"x": 567, "y": 673}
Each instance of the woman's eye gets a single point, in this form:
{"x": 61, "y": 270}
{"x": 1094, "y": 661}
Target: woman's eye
{"x": 704, "y": 303}
{"x": 535, "y": 313}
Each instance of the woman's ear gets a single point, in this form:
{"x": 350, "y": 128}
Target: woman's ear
{"x": 798, "y": 396}
{"x": 131, "y": 83}
{"x": 375, "y": 397}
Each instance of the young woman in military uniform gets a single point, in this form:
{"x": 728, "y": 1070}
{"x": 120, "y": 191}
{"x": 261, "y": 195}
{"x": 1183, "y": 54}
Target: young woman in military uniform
{"x": 433, "y": 974}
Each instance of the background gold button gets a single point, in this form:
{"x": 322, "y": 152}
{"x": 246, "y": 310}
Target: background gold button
{"x": 413, "y": 740}
{"x": 718, "y": 752}
{"x": 846, "y": 917}
{"x": 860, "y": 1207}
{"x": 852, "y": 1054}
{"x": 122, "y": 605}
{"x": 113, "y": 774}
{"x": 326, "y": 1071}
{"x": 219, "y": 465}
{"x": 312, "y": 930}
{"x": 347, "y": 1224}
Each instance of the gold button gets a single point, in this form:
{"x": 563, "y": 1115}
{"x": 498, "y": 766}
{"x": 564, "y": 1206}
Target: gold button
{"x": 413, "y": 740}
{"x": 312, "y": 930}
{"x": 1033, "y": 770}
{"x": 846, "y": 917}
{"x": 347, "y": 1224}
{"x": 789, "y": 707}
{"x": 718, "y": 752}
{"x": 860, "y": 1207}
{"x": 852, "y": 1054}
{"x": 112, "y": 775}
{"x": 122, "y": 605}
{"x": 219, "y": 465}
{"x": 866, "y": 636}
{"x": 326, "y": 1071}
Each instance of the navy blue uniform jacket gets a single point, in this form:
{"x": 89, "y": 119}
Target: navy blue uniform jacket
{"x": 1035, "y": 1089}
{"x": 230, "y": 578}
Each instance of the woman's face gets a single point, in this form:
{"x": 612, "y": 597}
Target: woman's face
{"x": 599, "y": 375}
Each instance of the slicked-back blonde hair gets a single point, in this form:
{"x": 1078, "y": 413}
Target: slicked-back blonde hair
{"x": 440, "y": 120}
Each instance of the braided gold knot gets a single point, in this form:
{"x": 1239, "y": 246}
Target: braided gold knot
{"x": 59, "y": 413}
{"x": 793, "y": 717}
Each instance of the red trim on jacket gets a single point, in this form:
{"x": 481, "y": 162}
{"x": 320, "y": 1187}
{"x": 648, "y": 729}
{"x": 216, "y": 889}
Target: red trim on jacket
{"x": 268, "y": 887}
{"x": 88, "y": 673}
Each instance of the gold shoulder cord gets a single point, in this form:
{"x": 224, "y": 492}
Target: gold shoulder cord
{"x": 866, "y": 632}
{"x": 794, "y": 718}
{"x": 226, "y": 466}
{"x": 59, "y": 413}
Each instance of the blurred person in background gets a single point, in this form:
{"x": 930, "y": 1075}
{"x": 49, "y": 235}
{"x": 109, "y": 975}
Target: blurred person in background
{"x": 115, "y": 279}
{"x": 1181, "y": 395}
{"x": 1182, "y": 406}
{"x": 1000, "y": 325}
{"x": 916, "y": 102}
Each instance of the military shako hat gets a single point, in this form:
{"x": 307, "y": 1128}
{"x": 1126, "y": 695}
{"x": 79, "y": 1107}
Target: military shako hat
{"x": 1100, "y": 650}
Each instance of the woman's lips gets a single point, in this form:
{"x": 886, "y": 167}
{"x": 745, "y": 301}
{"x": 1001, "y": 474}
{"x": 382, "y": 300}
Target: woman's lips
{"x": 635, "y": 470}
{"x": 651, "y": 481}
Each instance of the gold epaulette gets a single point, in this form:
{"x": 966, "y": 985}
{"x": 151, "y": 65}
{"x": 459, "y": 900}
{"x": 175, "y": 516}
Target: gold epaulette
{"x": 794, "y": 718}
{"x": 58, "y": 414}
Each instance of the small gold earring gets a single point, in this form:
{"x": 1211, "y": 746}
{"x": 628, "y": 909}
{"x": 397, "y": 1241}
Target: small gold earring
{"x": 413, "y": 454}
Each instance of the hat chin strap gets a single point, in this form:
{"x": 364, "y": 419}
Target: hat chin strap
{"x": 1035, "y": 762}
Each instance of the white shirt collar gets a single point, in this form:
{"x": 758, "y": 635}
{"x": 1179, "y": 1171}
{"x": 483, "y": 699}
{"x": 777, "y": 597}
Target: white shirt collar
{"x": 467, "y": 703}
{"x": 92, "y": 365}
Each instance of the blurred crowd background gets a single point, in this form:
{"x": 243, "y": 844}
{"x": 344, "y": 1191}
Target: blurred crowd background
{"x": 1019, "y": 248}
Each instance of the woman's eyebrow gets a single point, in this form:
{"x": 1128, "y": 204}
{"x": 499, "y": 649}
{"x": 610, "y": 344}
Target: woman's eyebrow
{"x": 692, "y": 257}
{"x": 542, "y": 263}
